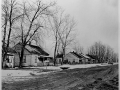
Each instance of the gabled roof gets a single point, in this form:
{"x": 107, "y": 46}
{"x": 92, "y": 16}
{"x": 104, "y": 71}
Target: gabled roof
{"x": 85, "y": 56}
{"x": 59, "y": 56}
{"x": 11, "y": 50}
{"x": 33, "y": 49}
{"x": 79, "y": 55}
{"x": 92, "y": 56}
{"x": 36, "y": 50}
{"x": 75, "y": 54}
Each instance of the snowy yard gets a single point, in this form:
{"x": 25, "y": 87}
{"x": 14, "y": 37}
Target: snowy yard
{"x": 33, "y": 70}
{"x": 17, "y": 75}
{"x": 101, "y": 77}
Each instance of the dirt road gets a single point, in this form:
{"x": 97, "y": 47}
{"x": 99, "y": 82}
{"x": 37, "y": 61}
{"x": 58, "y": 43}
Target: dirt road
{"x": 95, "y": 78}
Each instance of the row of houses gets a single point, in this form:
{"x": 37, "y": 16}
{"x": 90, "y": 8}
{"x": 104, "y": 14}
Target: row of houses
{"x": 33, "y": 56}
{"x": 36, "y": 56}
{"x": 75, "y": 58}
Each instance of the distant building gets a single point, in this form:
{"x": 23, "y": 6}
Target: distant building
{"x": 46, "y": 60}
{"x": 74, "y": 58}
{"x": 33, "y": 55}
{"x": 9, "y": 62}
{"x": 59, "y": 58}
{"x": 93, "y": 58}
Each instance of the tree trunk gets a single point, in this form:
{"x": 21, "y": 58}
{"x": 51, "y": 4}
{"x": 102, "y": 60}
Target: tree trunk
{"x": 6, "y": 46}
{"x": 4, "y": 58}
{"x": 21, "y": 57}
{"x": 55, "y": 53}
{"x": 63, "y": 55}
{"x": 4, "y": 53}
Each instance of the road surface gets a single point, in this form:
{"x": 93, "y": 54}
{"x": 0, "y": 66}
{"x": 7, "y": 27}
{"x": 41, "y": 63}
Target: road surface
{"x": 73, "y": 79}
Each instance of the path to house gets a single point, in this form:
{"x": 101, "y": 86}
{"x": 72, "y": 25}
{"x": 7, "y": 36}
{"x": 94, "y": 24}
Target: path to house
{"x": 71, "y": 79}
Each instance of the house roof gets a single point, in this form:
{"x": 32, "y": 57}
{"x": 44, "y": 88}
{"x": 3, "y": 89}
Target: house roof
{"x": 35, "y": 49}
{"x": 11, "y": 50}
{"x": 92, "y": 56}
{"x": 77, "y": 55}
{"x": 85, "y": 56}
{"x": 80, "y": 55}
{"x": 59, "y": 56}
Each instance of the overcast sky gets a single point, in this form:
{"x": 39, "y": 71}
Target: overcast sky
{"x": 97, "y": 20}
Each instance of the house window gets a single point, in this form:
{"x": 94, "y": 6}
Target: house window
{"x": 73, "y": 60}
{"x": 10, "y": 60}
{"x": 24, "y": 59}
{"x": 35, "y": 59}
{"x": 59, "y": 60}
{"x": 80, "y": 61}
{"x": 7, "y": 59}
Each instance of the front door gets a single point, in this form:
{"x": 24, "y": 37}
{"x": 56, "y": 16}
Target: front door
{"x": 16, "y": 61}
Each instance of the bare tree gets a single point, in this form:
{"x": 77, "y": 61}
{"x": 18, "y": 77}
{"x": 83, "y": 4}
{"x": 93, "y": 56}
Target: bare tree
{"x": 4, "y": 26}
{"x": 56, "y": 21}
{"x": 78, "y": 48}
{"x": 32, "y": 22}
{"x": 9, "y": 16}
{"x": 66, "y": 32}
{"x": 62, "y": 26}
{"x": 115, "y": 58}
{"x": 109, "y": 55}
{"x": 103, "y": 53}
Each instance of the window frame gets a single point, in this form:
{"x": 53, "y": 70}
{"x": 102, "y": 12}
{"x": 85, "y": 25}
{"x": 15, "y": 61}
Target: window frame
{"x": 36, "y": 59}
{"x": 24, "y": 59}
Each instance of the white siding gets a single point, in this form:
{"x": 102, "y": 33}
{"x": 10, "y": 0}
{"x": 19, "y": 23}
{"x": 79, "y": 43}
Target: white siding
{"x": 11, "y": 61}
{"x": 70, "y": 57}
{"x": 28, "y": 61}
{"x": 16, "y": 60}
{"x": 33, "y": 60}
{"x": 58, "y": 60}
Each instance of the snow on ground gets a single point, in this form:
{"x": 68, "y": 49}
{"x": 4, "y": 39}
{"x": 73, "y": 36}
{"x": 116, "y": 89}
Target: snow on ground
{"x": 71, "y": 66}
{"x": 27, "y": 72}
{"x": 17, "y": 75}
{"x": 9, "y": 76}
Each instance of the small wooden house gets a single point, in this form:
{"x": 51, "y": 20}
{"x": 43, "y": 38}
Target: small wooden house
{"x": 31, "y": 56}
{"x": 9, "y": 62}
{"x": 74, "y": 58}
{"x": 59, "y": 58}
{"x": 93, "y": 58}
